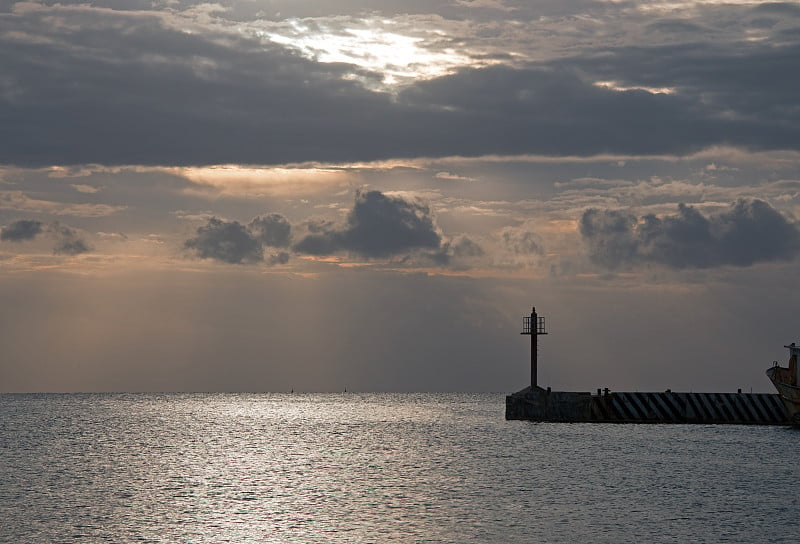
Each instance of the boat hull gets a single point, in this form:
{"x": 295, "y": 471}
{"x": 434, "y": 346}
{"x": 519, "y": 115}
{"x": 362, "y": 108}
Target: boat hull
{"x": 789, "y": 394}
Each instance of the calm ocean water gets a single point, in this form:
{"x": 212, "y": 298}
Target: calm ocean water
{"x": 383, "y": 468}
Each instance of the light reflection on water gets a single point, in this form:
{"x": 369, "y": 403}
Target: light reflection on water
{"x": 378, "y": 468}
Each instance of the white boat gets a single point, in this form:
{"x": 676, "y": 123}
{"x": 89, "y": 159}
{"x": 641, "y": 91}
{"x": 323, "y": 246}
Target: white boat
{"x": 787, "y": 381}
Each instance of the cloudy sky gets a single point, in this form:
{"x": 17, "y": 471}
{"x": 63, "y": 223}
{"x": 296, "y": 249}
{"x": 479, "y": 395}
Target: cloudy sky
{"x": 266, "y": 195}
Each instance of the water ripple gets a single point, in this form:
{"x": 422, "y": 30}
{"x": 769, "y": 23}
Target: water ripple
{"x": 356, "y": 468}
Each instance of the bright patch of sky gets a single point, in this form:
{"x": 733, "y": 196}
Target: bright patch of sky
{"x": 240, "y": 180}
{"x": 615, "y": 86}
{"x": 376, "y": 45}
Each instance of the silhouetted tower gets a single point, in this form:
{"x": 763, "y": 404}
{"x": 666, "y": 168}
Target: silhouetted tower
{"x": 533, "y": 325}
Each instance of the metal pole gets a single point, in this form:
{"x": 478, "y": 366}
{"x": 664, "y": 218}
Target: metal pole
{"x": 534, "y": 348}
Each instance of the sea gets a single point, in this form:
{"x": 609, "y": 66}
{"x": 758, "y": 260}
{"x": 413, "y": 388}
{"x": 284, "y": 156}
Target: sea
{"x": 378, "y": 468}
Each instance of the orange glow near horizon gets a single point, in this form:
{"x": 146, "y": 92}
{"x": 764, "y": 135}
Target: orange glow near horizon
{"x": 282, "y": 181}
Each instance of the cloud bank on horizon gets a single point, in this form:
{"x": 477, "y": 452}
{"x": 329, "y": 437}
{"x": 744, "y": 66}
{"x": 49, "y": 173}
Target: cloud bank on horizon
{"x": 509, "y": 149}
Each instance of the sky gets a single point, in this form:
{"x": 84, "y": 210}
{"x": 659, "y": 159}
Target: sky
{"x": 363, "y": 195}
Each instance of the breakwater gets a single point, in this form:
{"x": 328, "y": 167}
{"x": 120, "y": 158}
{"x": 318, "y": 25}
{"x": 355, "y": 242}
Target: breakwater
{"x": 538, "y": 404}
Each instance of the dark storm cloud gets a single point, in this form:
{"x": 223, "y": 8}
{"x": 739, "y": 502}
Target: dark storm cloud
{"x": 226, "y": 241}
{"x": 558, "y": 109}
{"x": 154, "y": 94}
{"x": 232, "y": 242}
{"x": 282, "y": 9}
{"x": 751, "y": 89}
{"x": 378, "y": 226}
{"x": 83, "y": 85}
{"x": 69, "y": 241}
{"x": 323, "y": 238}
{"x": 750, "y": 231}
{"x": 271, "y": 230}
{"x": 24, "y": 229}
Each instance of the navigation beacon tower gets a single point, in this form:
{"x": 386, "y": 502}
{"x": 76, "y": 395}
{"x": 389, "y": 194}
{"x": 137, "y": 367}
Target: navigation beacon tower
{"x": 534, "y": 326}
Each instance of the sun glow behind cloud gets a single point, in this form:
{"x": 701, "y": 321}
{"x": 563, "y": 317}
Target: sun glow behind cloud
{"x": 616, "y": 86}
{"x": 371, "y": 44}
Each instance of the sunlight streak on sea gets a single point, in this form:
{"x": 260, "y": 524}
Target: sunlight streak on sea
{"x": 382, "y": 468}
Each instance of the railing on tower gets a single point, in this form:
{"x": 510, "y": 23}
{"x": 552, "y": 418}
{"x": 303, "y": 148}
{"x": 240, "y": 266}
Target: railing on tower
{"x": 526, "y": 325}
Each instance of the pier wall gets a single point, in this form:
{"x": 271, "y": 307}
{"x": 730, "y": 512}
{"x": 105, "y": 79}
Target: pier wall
{"x": 539, "y": 404}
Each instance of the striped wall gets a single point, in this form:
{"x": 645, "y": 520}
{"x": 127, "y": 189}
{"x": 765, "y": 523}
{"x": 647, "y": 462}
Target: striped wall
{"x": 666, "y": 407}
{"x": 739, "y": 408}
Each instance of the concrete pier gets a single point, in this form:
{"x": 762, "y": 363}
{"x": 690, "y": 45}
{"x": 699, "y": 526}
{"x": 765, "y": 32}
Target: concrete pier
{"x": 538, "y": 404}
